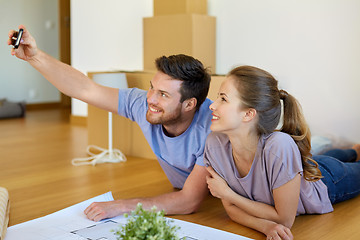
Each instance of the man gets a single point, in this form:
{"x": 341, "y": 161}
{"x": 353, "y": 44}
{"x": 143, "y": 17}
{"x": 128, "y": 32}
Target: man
{"x": 173, "y": 114}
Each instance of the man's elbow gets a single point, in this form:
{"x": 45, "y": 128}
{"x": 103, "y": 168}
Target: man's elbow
{"x": 192, "y": 203}
{"x": 192, "y": 207}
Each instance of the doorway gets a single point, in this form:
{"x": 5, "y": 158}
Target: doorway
{"x": 64, "y": 41}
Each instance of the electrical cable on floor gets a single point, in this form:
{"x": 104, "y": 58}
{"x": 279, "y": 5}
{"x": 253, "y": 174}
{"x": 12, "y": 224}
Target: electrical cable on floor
{"x": 105, "y": 155}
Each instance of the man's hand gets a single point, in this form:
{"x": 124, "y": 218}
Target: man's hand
{"x": 101, "y": 210}
{"x": 185, "y": 201}
{"x": 27, "y": 49}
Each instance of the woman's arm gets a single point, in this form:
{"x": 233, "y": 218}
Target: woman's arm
{"x": 286, "y": 199}
{"x": 272, "y": 230}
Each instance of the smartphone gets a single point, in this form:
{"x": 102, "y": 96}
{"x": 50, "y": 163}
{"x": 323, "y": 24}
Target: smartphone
{"x": 18, "y": 39}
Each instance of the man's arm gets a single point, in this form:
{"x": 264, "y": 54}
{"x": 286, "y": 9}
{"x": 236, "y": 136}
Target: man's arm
{"x": 65, "y": 78}
{"x": 184, "y": 201}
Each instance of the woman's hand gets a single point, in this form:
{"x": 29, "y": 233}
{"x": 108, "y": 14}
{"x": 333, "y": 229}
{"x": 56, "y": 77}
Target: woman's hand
{"x": 216, "y": 184}
{"x": 278, "y": 232}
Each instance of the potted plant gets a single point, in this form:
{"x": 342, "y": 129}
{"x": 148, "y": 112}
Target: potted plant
{"x": 147, "y": 225}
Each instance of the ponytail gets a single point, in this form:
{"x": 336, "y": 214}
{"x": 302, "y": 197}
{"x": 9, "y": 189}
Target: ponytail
{"x": 259, "y": 90}
{"x": 295, "y": 125}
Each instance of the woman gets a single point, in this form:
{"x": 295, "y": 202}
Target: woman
{"x": 265, "y": 177}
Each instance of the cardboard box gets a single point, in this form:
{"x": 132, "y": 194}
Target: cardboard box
{"x": 171, "y": 7}
{"x": 190, "y": 34}
{"x": 215, "y": 84}
{"x": 127, "y": 135}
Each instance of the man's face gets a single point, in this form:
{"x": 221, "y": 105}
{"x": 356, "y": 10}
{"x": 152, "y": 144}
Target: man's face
{"x": 163, "y": 100}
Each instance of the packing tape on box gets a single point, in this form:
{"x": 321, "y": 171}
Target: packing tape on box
{"x": 4, "y": 212}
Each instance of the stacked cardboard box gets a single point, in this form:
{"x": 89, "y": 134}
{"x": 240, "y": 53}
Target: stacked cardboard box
{"x": 127, "y": 135}
{"x": 178, "y": 27}
{"x": 171, "y": 7}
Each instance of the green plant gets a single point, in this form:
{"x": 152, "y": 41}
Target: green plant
{"x": 146, "y": 225}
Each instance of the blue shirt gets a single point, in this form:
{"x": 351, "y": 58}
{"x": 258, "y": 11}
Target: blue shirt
{"x": 176, "y": 155}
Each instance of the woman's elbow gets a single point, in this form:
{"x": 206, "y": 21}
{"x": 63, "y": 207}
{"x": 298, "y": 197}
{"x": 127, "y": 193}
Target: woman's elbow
{"x": 288, "y": 222}
{"x": 233, "y": 217}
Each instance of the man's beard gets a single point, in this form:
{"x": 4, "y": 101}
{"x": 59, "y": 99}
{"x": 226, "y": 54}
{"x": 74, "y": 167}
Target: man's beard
{"x": 165, "y": 119}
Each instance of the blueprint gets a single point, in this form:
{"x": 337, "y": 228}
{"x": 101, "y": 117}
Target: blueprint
{"x": 72, "y": 224}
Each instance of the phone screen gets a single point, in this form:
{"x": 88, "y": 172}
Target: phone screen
{"x": 18, "y": 39}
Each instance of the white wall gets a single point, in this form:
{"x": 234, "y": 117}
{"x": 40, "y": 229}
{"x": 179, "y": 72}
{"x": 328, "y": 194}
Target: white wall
{"x": 106, "y": 35}
{"x": 18, "y": 80}
{"x": 312, "y": 47}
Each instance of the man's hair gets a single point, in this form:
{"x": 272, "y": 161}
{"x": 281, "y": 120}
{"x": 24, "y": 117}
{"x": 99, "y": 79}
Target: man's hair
{"x": 196, "y": 78}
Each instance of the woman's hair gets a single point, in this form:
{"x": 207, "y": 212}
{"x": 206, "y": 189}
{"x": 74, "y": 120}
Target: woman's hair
{"x": 258, "y": 89}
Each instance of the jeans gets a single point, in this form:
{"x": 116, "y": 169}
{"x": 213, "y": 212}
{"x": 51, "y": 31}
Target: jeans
{"x": 341, "y": 174}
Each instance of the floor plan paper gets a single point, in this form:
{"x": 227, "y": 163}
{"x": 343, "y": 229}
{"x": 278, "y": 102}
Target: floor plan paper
{"x": 71, "y": 224}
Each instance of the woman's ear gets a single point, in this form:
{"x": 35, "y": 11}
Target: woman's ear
{"x": 190, "y": 104}
{"x": 250, "y": 114}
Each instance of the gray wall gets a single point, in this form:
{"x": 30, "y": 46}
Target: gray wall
{"x": 18, "y": 80}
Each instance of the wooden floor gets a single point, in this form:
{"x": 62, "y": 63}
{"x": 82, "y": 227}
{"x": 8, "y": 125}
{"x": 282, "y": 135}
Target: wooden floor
{"x": 35, "y": 167}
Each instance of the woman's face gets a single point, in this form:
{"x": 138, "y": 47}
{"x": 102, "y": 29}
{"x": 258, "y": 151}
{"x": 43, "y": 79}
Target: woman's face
{"x": 227, "y": 108}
